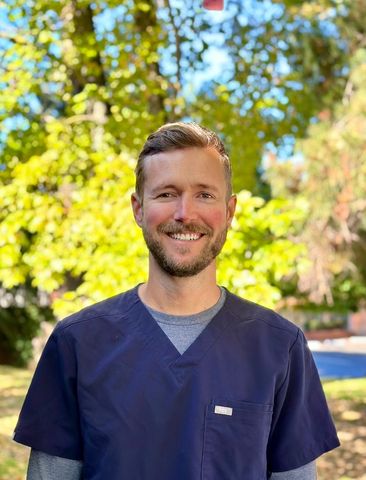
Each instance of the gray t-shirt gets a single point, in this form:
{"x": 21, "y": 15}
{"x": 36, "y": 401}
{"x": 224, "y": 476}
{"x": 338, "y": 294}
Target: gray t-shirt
{"x": 182, "y": 330}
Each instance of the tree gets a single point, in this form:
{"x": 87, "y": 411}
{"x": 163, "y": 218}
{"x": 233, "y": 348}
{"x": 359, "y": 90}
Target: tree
{"x": 286, "y": 62}
{"x": 332, "y": 180}
{"x": 82, "y": 244}
{"x": 21, "y": 314}
{"x": 82, "y": 85}
{"x": 336, "y": 154}
{"x": 262, "y": 249}
{"x": 127, "y": 69}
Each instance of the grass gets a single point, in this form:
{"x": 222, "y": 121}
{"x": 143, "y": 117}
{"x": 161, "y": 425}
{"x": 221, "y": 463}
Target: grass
{"x": 350, "y": 389}
{"x": 347, "y": 401}
{"x": 14, "y": 383}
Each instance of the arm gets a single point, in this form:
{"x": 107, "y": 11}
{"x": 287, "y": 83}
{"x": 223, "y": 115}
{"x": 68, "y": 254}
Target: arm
{"x": 52, "y": 401}
{"x": 48, "y": 467}
{"x": 302, "y": 428}
{"x": 306, "y": 472}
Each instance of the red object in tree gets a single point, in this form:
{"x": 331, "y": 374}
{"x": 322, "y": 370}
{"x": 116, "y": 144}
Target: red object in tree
{"x": 213, "y": 4}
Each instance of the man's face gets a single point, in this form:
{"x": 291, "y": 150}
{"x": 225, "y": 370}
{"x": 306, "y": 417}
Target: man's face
{"x": 185, "y": 212}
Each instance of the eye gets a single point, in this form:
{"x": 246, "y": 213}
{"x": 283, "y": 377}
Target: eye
{"x": 165, "y": 195}
{"x": 206, "y": 195}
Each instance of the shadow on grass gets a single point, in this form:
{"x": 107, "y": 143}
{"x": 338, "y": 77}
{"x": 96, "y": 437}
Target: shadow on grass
{"x": 347, "y": 402}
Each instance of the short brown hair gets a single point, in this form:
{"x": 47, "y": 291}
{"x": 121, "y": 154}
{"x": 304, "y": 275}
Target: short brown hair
{"x": 178, "y": 136}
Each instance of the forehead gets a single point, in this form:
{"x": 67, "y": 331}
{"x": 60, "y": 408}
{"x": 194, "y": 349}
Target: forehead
{"x": 192, "y": 165}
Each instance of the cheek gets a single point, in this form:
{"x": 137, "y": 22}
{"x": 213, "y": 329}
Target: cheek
{"x": 216, "y": 218}
{"x": 155, "y": 216}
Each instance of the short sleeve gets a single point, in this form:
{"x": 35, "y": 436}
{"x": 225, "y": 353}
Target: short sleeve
{"x": 49, "y": 419}
{"x": 302, "y": 427}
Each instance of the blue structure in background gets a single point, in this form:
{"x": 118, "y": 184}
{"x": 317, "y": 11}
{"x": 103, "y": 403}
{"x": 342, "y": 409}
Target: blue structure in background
{"x": 332, "y": 365}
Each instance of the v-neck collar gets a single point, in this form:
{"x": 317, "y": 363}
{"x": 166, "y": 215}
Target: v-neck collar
{"x": 161, "y": 346}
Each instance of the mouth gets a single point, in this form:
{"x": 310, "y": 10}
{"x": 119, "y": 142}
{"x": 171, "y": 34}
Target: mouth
{"x": 185, "y": 237}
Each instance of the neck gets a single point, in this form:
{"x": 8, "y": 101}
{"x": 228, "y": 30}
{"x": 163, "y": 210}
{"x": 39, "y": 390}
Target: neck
{"x": 181, "y": 295}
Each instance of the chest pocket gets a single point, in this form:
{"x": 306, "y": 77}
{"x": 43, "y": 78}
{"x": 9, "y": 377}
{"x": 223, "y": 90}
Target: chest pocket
{"x": 235, "y": 440}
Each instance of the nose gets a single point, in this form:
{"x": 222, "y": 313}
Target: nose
{"x": 185, "y": 210}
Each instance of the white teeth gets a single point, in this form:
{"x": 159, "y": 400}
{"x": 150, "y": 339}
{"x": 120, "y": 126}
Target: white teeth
{"x": 185, "y": 236}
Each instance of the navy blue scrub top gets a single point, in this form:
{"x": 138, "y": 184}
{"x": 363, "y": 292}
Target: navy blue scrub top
{"x": 242, "y": 401}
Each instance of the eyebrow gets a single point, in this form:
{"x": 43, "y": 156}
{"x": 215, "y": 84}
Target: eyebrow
{"x": 204, "y": 186}
{"x": 163, "y": 187}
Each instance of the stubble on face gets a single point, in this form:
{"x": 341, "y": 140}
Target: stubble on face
{"x": 194, "y": 266}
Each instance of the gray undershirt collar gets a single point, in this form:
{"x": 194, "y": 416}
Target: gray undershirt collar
{"x": 182, "y": 330}
{"x": 186, "y": 320}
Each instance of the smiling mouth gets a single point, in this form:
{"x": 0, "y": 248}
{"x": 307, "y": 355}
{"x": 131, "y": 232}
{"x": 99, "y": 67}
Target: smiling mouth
{"x": 185, "y": 236}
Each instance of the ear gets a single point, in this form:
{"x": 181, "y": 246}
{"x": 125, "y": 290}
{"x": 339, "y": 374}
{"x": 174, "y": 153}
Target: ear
{"x": 137, "y": 208}
{"x": 231, "y": 205}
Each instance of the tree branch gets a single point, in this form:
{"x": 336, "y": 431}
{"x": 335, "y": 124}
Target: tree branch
{"x": 178, "y": 52}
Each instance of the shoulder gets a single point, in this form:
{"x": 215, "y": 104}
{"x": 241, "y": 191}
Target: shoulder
{"x": 256, "y": 316}
{"x": 107, "y": 310}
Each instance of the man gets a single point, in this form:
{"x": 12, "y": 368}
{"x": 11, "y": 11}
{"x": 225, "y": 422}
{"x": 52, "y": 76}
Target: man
{"x": 177, "y": 379}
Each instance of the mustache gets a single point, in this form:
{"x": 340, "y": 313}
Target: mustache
{"x": 174, "y": 228}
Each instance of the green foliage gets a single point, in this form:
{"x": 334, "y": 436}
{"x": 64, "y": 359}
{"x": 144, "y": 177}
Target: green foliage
{"x": 260, "y": 251}
{"x": 139, "y": 62}
{"x": 18, "y": 326}
{"x": 332, "y": 179}
{"x": 83, "y": 83}
{"x": 79, "y": 241}
{"x": 67, "y": 219}
{"x": 284, "y": 66}
{"x": 315, "y": 324}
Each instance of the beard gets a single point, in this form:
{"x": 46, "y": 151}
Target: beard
{"x": 180, "y": 268}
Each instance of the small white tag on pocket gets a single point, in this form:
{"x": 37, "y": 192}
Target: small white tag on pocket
{"x": 223, "y": 410}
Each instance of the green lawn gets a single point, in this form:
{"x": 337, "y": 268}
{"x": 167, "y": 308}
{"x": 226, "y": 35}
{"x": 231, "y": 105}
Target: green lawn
{"x": 352, "y": 389}
{"x": 347, "y": 400}
{"x": 13, "y": 457}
